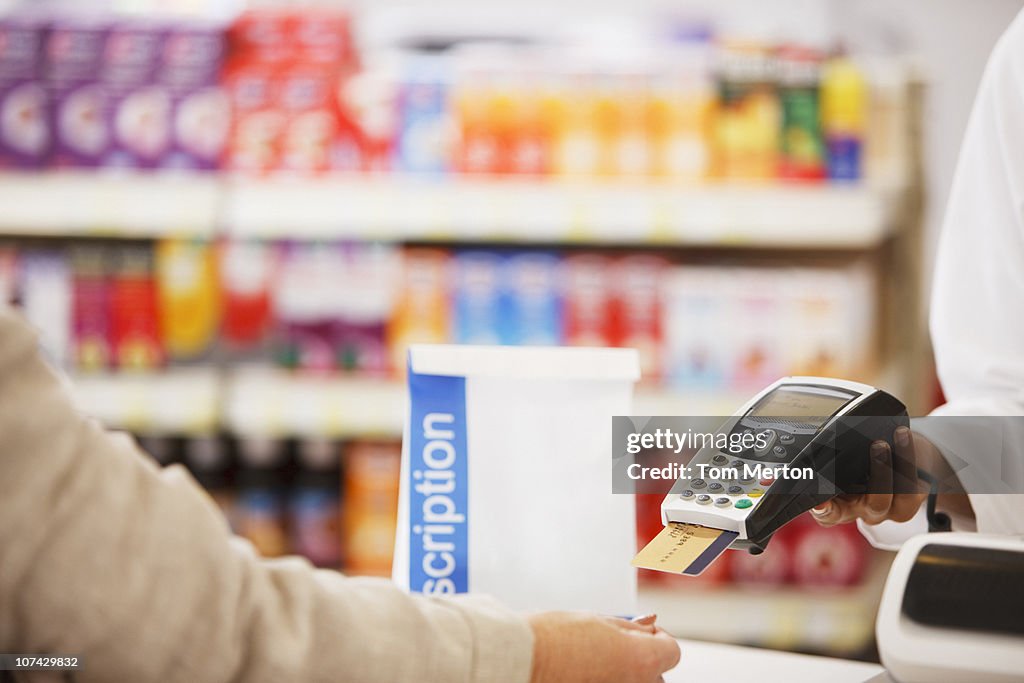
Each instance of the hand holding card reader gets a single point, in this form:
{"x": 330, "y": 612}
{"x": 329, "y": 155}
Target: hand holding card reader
{"x": 826, "y": 425}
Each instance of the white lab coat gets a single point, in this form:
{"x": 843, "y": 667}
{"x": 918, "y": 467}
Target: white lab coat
{"x": 977, "y": 309}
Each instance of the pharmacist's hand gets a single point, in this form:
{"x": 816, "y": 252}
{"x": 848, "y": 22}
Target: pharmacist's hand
{"x": 575, "y": 647}
{"x": 895, "y": 492}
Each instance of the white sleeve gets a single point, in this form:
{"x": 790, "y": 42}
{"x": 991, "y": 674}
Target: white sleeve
{"x": 977, "y": 308}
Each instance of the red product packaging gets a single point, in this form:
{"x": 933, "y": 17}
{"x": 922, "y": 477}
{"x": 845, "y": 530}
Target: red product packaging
{"x": 834, "y": 556}
{"x": 91, "y": 309}
{"x": 636, "y": 309}
{"x": 134, "y": 324}
{"x": 257, "y": 123}
{"x": 262, "y": 35}
{"x": 367, "y": 104}
{"x": 310, "y": 117}
{"x": 588, "y": 300}
{"x": 247, "y": 271}
{"x": 770, "y": 568}
{"x": 322, "y": 36}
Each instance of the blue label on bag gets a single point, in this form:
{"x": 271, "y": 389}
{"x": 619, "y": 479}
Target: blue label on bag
{"x": 438, "y": 485}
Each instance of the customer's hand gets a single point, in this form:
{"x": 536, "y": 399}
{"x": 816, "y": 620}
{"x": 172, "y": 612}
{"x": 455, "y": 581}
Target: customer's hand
{"x": 894, "y": 490}
{"x": 574, "y": 647}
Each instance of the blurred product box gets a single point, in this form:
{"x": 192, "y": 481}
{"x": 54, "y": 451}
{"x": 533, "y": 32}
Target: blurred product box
{"x": 75, "y": 53}
{"x": 531, "y": 301}
{"x": 91, "y": 315}
{"x": 746, "y": 139}
{"x": 190, "y": 72}
{"x": 422, "y": 313}
{"x": 189, "y": 298}
{"x": 305, "y": 303}
{"x": 25, "y": 137}
{"x": 45, "y": 291}
{"x": 476, "y": 298}
{"x": 365, "y": 302}
{"x": 739, "y": 328}
{"x": 256, "y": 123}
{"x": 134, "y": 319}
{"x": 637, "y": 309}
{"x": 139, "y": 108}
{"x": 248, "y": 271}
{"x": 588, "y": 292}
{"x": 424, "y": 137}
{"x": 371, "y": 476}
{"x": 803, "y": 144}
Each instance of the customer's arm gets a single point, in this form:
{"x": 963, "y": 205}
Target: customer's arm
{"x": 104, "y": 555}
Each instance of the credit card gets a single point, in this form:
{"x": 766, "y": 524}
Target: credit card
{"x": 684, "y": 549}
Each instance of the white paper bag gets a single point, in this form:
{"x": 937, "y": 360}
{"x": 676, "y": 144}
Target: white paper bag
{"x": 506, "y": 477}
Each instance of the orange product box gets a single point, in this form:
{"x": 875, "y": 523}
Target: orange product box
{"x": 370, "y": 516}
{"x": 423, "y": 311}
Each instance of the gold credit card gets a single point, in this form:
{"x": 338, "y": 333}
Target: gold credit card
{"x": 684, "y": 548}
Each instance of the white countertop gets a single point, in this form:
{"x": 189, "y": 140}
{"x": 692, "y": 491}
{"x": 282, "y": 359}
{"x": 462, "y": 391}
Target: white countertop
{"x": 715, "y": 662}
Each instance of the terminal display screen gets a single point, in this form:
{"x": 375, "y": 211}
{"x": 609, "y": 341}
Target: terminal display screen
{"x": 804, "y": 406}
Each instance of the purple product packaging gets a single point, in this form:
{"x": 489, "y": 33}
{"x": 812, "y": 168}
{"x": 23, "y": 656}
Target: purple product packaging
{"x": 74, "y": 59}
{"x": 24, "y": 110}
{"x": 200, "y": 117}
{"x": 139, "y": 112}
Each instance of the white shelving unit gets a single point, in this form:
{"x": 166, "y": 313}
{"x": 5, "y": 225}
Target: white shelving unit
{"x": 448, "y": 210}
{"x": 108, "y": 204}
{"x": 271, "y": 402}
{"x": 554, "y": 211}
{"x": 181, "y": 401}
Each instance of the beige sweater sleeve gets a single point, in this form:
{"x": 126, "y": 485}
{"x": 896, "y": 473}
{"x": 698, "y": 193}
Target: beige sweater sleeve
{"x": 104, "y": 555}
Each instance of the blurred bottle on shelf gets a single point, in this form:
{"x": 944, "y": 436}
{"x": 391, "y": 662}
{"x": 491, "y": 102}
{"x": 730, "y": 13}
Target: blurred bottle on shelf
{"x": 588, "y": 291}
{"x": 803, "y": 144}
{"x": 844, "y": 102}
{"x": 91, "y": 315}
{"x": 747, "y": 125}
{"x": 163, "y": 449}
{"x": 371, "y": 505}
{"x": 248, "y": 271}
{"x": 208, "y": 459}
{"x": 189, "y": 299}
{"x": 134, "y": 319}
{"x": 422, "y": 312}
{"x": 46, "y": 298}
{"x": 639, "y": 281}
{"x": 423, "y": 143}
{"x": 259, "y": 510}
{"x": 315, "y": 505}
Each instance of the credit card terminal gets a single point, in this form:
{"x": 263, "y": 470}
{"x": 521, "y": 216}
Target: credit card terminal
{"x": 798, "y": 426}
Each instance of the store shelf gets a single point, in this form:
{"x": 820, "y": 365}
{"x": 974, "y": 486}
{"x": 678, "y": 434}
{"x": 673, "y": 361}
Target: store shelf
{"x": 839, "y": 621}
{"x": 462, "y": 210}
{"x": 272, "y": 402}
{"x": 108, "y": 204}
{"x": 277, "y": 403}
{"x": 183, "y": 401}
